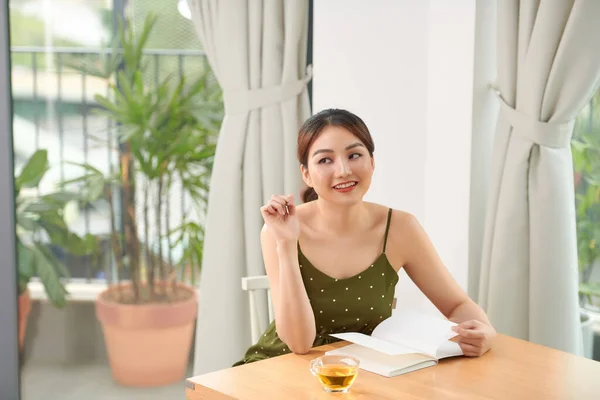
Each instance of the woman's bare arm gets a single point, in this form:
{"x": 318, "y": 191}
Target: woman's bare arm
{"x": 293, "y": 313}
{"x": 412, "y": 248}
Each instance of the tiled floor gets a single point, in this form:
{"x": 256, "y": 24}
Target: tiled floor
{"x": 89, "y": 382}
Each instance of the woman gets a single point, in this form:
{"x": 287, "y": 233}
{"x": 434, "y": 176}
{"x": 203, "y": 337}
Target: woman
{"x": 332, "y": 262}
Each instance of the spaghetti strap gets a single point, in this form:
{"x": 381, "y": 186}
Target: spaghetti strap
{"x": 387, "y": 229}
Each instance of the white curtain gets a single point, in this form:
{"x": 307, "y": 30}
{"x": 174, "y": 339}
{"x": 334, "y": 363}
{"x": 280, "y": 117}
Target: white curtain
{"x": 548, "y": 69}
{"x": 257, "y": 49}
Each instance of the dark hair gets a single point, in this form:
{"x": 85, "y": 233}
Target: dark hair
{"x": 314, "y": 126}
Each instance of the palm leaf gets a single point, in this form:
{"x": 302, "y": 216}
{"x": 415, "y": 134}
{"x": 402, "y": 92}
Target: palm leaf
{"x": 33, "y": 171}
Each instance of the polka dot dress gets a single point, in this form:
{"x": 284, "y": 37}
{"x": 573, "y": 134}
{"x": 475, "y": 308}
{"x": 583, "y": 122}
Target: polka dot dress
{"x": 355, "y": 304}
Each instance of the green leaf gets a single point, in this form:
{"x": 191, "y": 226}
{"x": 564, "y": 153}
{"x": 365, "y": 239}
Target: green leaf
{"x": 33, "y": 171}
{"x": 75, "y": 245}
{"x": 578, "y": 145}
{"x": 27, "y": 222}
{"x": 91, "y": 242}
{"x": 50, "y": 271}
{"x": 88, "y": 167}
{"x": 25, "y": 262}
{"x": 93, "y": 180}
{"x": 56, "y": 228}
{"x": 61, "y": 198}
{"x": 59, "y": 267}
{"x": 107, "y": 104}
{"x": 590, "y": 289}
{"x": 41, "y": 206}
{"x": 95, "y": 187}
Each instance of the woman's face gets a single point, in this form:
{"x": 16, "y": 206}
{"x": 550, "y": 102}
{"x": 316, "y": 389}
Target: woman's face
{"x": 339, "y": 166}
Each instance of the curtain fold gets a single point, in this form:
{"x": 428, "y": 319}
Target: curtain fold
{"x": 548, "y": 69}
{"x": 257, "y": 50}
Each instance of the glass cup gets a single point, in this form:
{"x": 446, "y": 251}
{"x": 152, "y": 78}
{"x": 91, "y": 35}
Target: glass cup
{"x": 336, "y": 373}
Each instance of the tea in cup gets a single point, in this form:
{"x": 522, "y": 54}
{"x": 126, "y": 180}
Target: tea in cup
{"x": 336, "y": 373}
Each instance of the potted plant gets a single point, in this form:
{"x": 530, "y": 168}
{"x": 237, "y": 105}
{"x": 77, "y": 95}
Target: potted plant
{"x": 167, "y": 137}
{"x": 40, "y": 223}
{"x": 586, "y": 158}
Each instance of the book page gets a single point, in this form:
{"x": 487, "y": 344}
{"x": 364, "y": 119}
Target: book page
{"x": 374, "y": 343}
{"x": 423, "y": 332}
{"x": 448, "y": 349}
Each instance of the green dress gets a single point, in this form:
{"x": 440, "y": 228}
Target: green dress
{"x": 355, "y": 304}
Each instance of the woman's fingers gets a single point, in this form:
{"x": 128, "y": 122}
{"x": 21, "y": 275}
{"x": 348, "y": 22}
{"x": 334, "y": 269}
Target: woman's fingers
{"x": 291, "y": 209}
{"x": 469, "y": 350}
{"x": 469, "y": 336}
{"x": 290, "y": 204}
{"x": 283, "y": 199}
{"x": 286, "y": 202}
{"x": 279, "y": 199}
{"x": 470, "y": 324}
{"x": 268, "y": 211}
{"x": 472, "y": 342}
{"x": 279, "y": 205}
{"x": 273, "y": 209}
{"x": 469, "y": 333}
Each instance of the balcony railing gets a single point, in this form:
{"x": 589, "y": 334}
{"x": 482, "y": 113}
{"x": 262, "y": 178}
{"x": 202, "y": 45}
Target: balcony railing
{"x": 53, "y": 109}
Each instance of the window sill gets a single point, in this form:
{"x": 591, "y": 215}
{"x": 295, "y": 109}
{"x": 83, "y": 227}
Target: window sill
{"x": 82, "y": 291}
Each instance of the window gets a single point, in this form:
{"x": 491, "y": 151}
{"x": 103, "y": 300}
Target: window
{"x": 586, "y": 162}
{"x": 56, "y": 46}
{"x": 54, "y": 106}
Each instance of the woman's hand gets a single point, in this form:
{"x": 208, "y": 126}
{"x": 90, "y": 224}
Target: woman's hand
{"x": 474, "y": 338}
{"x": 280, "y": 218}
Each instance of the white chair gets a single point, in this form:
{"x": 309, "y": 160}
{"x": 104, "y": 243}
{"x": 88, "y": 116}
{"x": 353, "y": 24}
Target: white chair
{"x": 252, "y": 284}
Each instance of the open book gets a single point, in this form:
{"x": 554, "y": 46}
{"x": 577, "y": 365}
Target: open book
{"x": 405, "y": 342}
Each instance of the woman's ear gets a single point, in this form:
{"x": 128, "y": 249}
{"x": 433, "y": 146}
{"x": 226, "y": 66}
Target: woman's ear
{"x": 372, "y": 162}
{"x": 305, "y": 176}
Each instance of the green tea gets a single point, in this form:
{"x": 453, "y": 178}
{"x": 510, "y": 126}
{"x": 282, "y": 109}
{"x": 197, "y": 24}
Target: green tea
{"x": 336, "y": 378}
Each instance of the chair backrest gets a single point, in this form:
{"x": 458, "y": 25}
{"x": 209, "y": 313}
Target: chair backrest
{"x": 252, "y": 284}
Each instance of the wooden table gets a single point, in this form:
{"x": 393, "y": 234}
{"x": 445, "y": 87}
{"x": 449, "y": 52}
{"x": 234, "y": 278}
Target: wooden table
{"x": 513, "y": 369}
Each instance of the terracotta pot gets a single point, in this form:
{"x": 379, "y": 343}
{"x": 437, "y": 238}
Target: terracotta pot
{"x": 148, "y": 344}
{"x": 24, "y": 309}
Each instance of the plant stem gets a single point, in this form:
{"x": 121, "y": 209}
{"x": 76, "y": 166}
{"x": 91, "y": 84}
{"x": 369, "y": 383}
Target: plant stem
{"x": 168, "y": 228}
{"x": 183, "y": 264}
{"x": 159, "y": 229}
{"x": 149, "y": 261}
{"x": 116, "y": 246}
{"x": 131, "y": 237}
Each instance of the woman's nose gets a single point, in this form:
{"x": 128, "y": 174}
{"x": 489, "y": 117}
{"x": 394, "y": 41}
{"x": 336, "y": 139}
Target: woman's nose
{"x": 343, "y": 169}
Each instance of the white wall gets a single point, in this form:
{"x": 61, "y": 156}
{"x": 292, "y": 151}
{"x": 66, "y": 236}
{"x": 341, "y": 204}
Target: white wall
{"x": 406, "y": 67}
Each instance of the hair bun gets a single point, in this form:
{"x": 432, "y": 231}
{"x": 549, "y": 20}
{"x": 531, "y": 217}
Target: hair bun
{"x": 309, "y": 195}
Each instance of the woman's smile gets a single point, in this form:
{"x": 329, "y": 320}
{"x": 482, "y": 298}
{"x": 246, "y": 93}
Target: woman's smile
{"x": 345, "y": 187}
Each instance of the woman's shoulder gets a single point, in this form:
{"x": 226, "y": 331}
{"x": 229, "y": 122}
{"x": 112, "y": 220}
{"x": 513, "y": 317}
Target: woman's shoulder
{"x": 405, "y": 232}
{"x": 403, "y": 235}
{"x": 305, "y": 210}
{"x": 403, "y": 218}
{"x": 402, "y": 224}
{"x": 398, "y": 217}
{"x": 305, "y": 213}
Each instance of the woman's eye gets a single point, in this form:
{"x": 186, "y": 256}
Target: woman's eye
{"x": 325, "y": 160}
{"x": 355, "y": 155}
